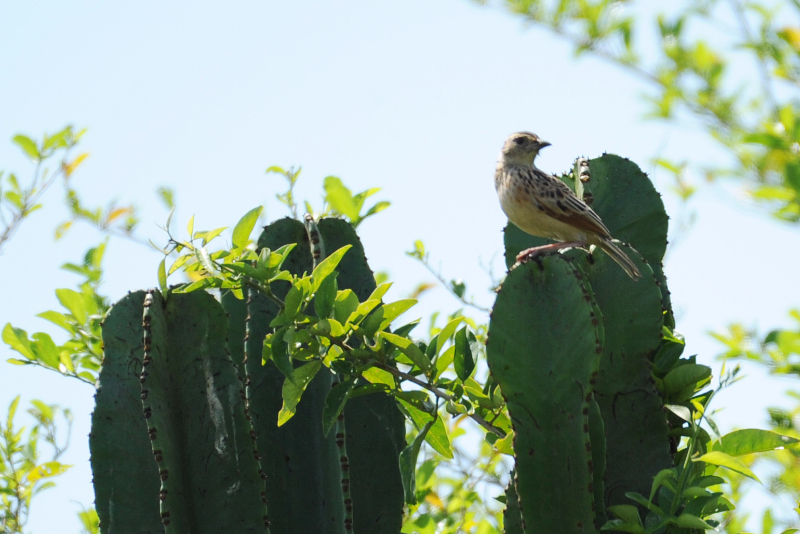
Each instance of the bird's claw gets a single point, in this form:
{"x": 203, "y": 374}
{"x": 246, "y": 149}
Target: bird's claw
{"x": 537, "y": 252}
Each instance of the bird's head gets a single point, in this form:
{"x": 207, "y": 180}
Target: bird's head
{"x": 522, "y": 148}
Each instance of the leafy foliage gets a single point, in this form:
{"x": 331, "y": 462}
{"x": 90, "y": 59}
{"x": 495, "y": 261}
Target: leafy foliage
{"x": 23, "y": 473}
{"x": 82, "y": 354}
{"x": 778, "y": 352}
{"x": 697, "y": 80}
{"x": 17, "y": 202}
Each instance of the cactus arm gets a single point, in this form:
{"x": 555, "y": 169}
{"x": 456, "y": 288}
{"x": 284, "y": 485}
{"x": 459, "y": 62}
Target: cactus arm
{"x": 635, "y": 423}
{"x": 512, "y": 519}
{"x": 193, "y": 403}
{"x": 543, "y": 350}
{"x": 119, "y": 431}
{"x": 375, "y": 426}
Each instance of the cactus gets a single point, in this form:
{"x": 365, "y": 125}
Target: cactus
{"x": 193, "y": 441}
{"x": 536, "y": 325}
{"x": 572, "y": 344}
{"x": 126, "y": 481}
{"x": 290, "y": 453}
{"x": 194, "y": 407}
{"x": 548, "y": 390}
{"x": 198, "y": 464}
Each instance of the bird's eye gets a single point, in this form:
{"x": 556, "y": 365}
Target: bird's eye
{"x": 519, "y": 140}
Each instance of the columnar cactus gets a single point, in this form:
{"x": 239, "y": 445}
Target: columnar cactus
{"x": 197, "y": 440}
{"x": 571, "y": 335}
{"x": 221, "y": 416}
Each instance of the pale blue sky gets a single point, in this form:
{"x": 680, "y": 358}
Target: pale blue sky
{"x": 413, "y": 97}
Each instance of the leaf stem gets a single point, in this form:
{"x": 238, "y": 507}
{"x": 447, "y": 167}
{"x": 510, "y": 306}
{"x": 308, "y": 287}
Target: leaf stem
{"x": 442, "y": 395}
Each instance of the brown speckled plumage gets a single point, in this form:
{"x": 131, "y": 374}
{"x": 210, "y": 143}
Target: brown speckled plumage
{"x": 542, "y": 205}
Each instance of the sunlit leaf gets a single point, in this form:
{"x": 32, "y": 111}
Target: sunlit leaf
{"x": 724, "y": 460}
{"x": 162, "y": 275}
{"x": 70, "y": 167}
{"x": 747, "y": 441}
{"x": 326, "y": 267}
{"x": 243, "y": 228}
{"x": 334, "y": 404}
{"x": 409, "y": 348}
{"x": 340, "y": 198}
{"x": 47, "y": 470}
{"x": 408, "y": 465}
{"x": 27, "y": 145}
{"x": 292, "y": 391}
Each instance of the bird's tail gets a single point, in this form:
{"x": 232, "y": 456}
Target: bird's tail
{"x": 621, "y": 258}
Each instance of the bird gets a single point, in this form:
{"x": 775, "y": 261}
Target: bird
{"x": 542, "y": 205}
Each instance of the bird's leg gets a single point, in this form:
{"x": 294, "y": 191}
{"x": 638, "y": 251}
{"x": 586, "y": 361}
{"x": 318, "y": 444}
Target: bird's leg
{"x": 535, "y": 252}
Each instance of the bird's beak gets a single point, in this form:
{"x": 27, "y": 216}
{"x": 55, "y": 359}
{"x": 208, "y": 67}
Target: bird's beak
{"x": 543, "y": 144}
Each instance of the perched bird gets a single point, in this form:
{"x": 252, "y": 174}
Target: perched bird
{"x": 542, "y": 205}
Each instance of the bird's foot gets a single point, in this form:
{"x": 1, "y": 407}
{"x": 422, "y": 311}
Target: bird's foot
{"x": 536, "y": 252}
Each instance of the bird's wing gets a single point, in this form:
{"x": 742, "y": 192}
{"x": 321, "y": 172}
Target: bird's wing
{"x": 558, "y": 201}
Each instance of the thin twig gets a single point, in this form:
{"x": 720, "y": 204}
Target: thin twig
{"x": 449, "y": 288}
{"x": 766, "y": 84}
{"x": 442, "y": 395}
{"x": 31, "y": 201}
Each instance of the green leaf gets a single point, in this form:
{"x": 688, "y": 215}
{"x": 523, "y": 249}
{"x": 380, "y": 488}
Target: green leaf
{"x": 383, "y": 316}
{"x": 378, "y": 207}
{"x": 177, "y": 264}
{"x": 162, "y": 275}
{"x": 444, "y": 360}
{"x": 345, "y": 305}
{"x": 280, "y": 353}
{"x": 410, "y": 349}
{"x": 340, "y": 198}
{"x": 681, "y": 411}
{"x": 58, "y": 139}
{"x": 326, "y": 267}
{"x": 417, "y": 404}
{"x": 660, "y": 478}
{"x": 622, "y": 526}
{"x": 627, "y": 512}
{"x": 12, "y": 410}
{"x": 408, "y": 465}
{"x": 379, "y": 376}
{"x": 724, "y": 460}
{"x": 695, "y": 492}
{"x": 708, "y": 480}
{"x": 362, "y": 311}
{"x": 17, "y": 339}
{"x": 325, "y": 297}
{"x": 73, "y": 301}
{"x": 632, "y": 495}
{"x": 167, "y": 196}
{"x": 463, "y": 361}
{"x": 211, "y": 234}
{"x": 243, "y": 228}
{"x": 190, "y": 227}
{"x": 47, "y": 470}
{"x": 691, "y": 521}
{"x": 751, "y": 440}
{"x": 27, "y": 145}
{"x": 685, "y": 375}
{"x": 293, "y": 391}
{"x": 291, "y": 306}
{"x": 446, "y": 332}
{"x": 205, "y": 260}
{"x": 45, "y": 350}
{"x": 438, "y": 439}
{"x": 334, "y": 404}
{"x": 380, "y": 291}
